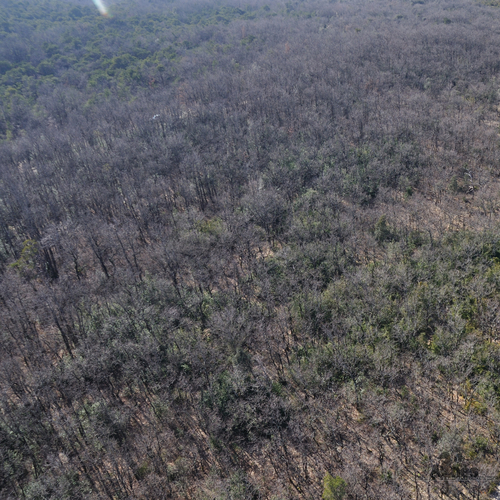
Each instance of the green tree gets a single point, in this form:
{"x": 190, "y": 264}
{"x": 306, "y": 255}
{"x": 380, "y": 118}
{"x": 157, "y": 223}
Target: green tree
{"x": 334, "y": 488}
{"x": 26, "y": 264}
{"x": 382, "y": 230}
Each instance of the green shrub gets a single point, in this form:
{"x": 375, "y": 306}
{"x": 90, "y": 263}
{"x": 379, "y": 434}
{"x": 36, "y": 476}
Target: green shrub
{"x": 334, "y": 488}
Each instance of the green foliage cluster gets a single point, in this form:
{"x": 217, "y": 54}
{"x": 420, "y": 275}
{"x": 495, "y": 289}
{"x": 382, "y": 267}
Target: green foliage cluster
{"x": 52, "y": 42}
{"x": 27, "y": 261}
{"x": 334, "y": 487}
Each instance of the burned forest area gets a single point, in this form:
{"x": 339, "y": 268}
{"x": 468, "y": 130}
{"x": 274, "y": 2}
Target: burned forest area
{"x": 250, "y": 250}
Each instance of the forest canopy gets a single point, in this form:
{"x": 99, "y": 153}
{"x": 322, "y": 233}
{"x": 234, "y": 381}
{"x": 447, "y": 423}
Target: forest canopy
{"x": 250, "y": 249}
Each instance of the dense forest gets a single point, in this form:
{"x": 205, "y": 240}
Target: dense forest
{"x": 250, "y": 250}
